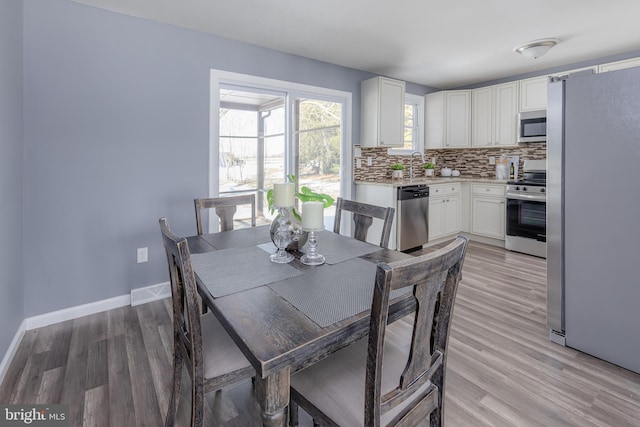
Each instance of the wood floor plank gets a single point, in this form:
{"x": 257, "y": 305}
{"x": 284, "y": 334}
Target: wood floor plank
{"x": 502, "y": 369}
{"x": 96, "y": 413}
{"x": 75, "y": 377}
{"x": 121, "y": 405}
{"x": 147, "y": 410}
{"x": 51, "y": 386}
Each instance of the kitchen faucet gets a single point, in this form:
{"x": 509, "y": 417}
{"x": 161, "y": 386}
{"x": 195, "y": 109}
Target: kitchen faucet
{"x": 411, "y": 163}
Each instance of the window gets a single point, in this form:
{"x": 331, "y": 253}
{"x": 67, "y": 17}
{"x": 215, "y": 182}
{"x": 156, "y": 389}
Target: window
{"x": 413, "y": 126}
{"x": 265, "y": 130}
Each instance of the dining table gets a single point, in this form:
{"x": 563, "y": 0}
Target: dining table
{"x": 285, "y": 317}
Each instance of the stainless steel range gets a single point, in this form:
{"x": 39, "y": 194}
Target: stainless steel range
{"x": 527, "y": 210}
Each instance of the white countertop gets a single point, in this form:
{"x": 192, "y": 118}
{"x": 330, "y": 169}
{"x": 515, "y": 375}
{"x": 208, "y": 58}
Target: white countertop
{"x": 430, "y": 181}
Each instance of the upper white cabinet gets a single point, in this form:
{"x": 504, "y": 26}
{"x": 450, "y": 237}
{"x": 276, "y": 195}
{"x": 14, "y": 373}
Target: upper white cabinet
{"x": 382, "y": 112}
{"x": 533, "y": 94}
{"x": 448, "y": 119}
{"x": 619, "y": 65}
{"x": 494, "y": 115}
{"x": 482, "y": 117}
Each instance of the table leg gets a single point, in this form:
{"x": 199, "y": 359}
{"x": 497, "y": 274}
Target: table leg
{"x": 273, "y": 395}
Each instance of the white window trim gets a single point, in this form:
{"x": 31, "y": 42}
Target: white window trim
{"x": 419, "y": 101}
{"x": 219, "y": 77}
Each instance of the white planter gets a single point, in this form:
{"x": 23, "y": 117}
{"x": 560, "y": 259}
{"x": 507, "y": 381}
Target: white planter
{"x": 396, "y": 174}
{"x": 428, "y": 172}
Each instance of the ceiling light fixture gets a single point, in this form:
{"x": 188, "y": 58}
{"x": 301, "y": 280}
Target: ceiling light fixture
{"x": 536, "y": 48}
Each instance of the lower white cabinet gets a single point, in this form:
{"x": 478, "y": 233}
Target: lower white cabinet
{"x": 488, "y": 210}
{"x": 445, "y": 213}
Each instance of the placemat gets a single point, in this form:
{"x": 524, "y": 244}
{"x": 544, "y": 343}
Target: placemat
{"x": 239, "y": 238}
{"x": 228, "y": 271}
{"x": 331, "y": 293}
{"x": 337, "y": 248}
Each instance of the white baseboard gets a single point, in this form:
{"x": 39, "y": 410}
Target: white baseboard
{"x": 11, "y": 351}
{"x": 70, "y": 313}
{"x": 150, "y": 293}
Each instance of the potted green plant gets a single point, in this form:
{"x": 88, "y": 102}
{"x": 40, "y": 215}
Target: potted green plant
{"x": 305, "y": 194}
{"x": 396, "y": 170}
{"x": 429, "y": 168}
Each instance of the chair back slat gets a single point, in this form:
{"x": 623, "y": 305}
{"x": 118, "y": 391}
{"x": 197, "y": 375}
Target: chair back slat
{"x": 363, "y": 215}
{"x": 434, "y": 278}
{"x": 225, "y": 208}
{"x": 186, "y": 315}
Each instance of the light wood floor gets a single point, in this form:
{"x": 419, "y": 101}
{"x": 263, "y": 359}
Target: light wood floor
{"x": 113, "y": 368}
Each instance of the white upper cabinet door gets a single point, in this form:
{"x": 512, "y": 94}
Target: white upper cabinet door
{"x": 533, "y": 94}
{"x": 382, "y": 113}
{"x": 506, "y": 114}
{"x": 619, "y": 65}
{"x": 434, "y": 120}
{"x": 457, "y": 129}
{"x": 482, "y": 117}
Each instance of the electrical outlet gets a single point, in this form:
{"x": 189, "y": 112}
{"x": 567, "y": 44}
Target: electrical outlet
{"x": 492, "y": 160}
{"x": 358, "y": 163}
{"x": 433, "y": 160}
{"x": 143, "y": 255}
{"x": 369, "y": 161}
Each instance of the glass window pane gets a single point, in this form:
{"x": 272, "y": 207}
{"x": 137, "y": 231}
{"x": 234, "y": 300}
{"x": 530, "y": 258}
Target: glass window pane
{"x": 238, "y": 157}
{"x": 315, "y": 114}
{"x": 409, "y": 114}
{"x": 319, "y": 162}
{"x": 273, "y": 121}
{"x": 238, "y": 123}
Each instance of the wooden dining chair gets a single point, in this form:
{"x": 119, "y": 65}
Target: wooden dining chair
{"x": 363, "y": 215}
{"x": 225, "y": 208}
{"x": 212, "y": 358}
{"x": 395, "y": 377}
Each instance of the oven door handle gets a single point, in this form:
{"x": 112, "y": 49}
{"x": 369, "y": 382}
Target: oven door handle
{"x": 532, "y": 197}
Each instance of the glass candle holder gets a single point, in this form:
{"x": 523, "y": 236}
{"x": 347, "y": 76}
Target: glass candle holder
{"x": 312, "y": 257}
{"x": 282, "y": 239}
{"x": 312, "y": 221}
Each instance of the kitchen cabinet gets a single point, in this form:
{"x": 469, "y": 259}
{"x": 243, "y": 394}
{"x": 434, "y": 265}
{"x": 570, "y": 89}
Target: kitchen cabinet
{"x": 494, "y": 115}
{"x": 444, "y": 210}
{"x": 382, "y": 112}
{"x": 619, "y": 65}
{"x": 488, "y": 210}
{"x": 533, "y": 94}
{"x": 448, "y": 119}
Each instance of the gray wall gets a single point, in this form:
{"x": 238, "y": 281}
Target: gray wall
{"x": 116, "y": 135}
{"x": 11, "y": 302}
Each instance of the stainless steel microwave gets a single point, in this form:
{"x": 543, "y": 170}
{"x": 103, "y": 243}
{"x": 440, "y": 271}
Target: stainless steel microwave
{"x": 532, "y": 126}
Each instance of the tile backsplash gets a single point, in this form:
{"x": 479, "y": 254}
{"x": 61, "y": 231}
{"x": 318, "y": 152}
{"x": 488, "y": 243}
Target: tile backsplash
{"x": 472, "y": 162}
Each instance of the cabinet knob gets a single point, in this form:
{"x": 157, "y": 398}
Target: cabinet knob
{"x": 486, "y": 189}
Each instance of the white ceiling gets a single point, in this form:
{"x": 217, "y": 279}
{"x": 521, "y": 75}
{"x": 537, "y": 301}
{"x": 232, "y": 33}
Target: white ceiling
{"x": 439, "y": 43}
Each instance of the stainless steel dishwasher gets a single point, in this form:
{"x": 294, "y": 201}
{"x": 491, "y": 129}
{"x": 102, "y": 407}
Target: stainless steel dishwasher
{"x": 413, "y": 217}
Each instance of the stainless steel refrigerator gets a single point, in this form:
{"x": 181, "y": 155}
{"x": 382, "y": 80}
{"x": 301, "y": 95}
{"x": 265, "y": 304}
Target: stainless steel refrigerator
{"x": 593, "y": 214}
